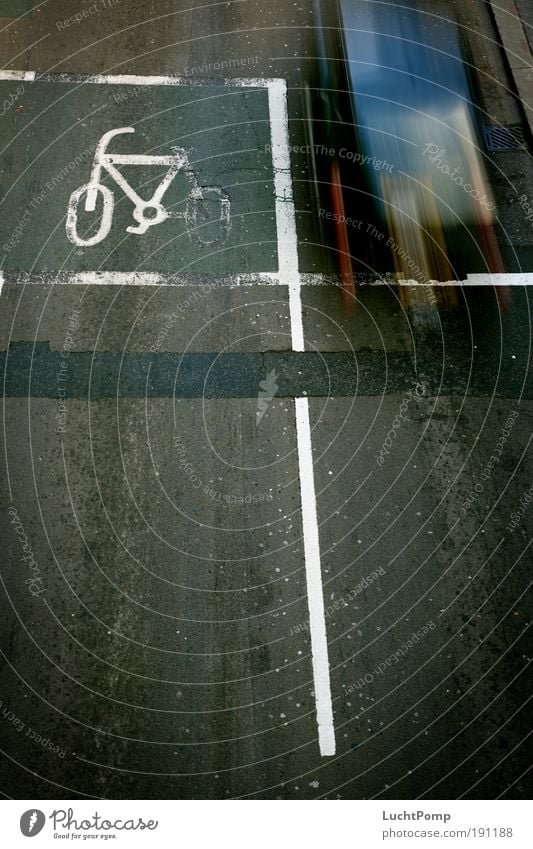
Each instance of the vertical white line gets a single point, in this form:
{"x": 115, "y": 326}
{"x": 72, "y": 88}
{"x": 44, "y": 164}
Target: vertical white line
{"x": 289, "y": 274}
{"x": 315, "y": 592}
{"x": 285, "y": 216}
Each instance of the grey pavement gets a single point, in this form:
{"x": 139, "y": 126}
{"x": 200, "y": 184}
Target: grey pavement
{"x": 155, "y": 637}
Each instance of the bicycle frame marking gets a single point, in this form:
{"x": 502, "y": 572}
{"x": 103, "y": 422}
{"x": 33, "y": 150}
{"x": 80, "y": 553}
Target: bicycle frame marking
{"x": 177, "y": 162}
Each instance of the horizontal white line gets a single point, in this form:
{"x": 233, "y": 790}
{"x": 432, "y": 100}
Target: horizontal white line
{"x": 25, "y": 76}
{"x": 134, "y": 278}
{"x": 233, "y": 281}
{"x": 524, "y": 278}
{"x": 139, "y": 79}
{"x": 519, "y": 279}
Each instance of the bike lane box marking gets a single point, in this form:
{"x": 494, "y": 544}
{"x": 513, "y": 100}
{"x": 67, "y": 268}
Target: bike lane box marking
{"x": 49, "y": 138}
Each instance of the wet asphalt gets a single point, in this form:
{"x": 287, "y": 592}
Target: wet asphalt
{"x": 155, "y": 629}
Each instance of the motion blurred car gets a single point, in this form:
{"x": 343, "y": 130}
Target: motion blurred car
{"x": 394, "y": 150}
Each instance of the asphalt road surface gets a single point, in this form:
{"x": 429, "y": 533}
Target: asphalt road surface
{"x": 254, "y": 545}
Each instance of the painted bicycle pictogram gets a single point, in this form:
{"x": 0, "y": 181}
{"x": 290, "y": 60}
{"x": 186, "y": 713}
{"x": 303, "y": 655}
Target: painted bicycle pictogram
{"x": 147, "y": 213}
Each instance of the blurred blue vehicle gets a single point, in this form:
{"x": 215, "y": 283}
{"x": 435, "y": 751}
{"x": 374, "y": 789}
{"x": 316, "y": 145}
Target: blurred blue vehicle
{"x": 393, "y": 99}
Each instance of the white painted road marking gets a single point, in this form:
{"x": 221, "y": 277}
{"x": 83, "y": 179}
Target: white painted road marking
{"x": 234, "y": 281}
{"x": 315, "y": 591}
{"x": 177, "y": 161}
{"x": 288, "y": 275}
{"x": 285, "y": 214}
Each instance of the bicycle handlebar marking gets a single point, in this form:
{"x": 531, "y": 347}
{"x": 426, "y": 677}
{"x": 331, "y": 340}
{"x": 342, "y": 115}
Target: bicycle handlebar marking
{"x": 146, "y": 213}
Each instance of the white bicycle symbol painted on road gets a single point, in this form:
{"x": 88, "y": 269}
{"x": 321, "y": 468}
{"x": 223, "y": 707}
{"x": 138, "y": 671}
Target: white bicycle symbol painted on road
{"x": 147, "y": 213}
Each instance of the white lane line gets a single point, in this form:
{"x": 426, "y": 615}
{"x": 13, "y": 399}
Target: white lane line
{"x": 138, "y": 278}
{"x": 315, "y": 592}
{"x": 285, "y": 214}
{"x": 524, "y": 279}
{"x": 289, "y": 275}
{"x": 138, "y": 79}
{"x": 232, "y": 281}
{"x": 24, "y": 76}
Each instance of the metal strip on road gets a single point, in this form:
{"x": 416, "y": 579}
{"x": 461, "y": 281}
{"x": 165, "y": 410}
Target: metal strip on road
{"x": 31, "y": 370}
